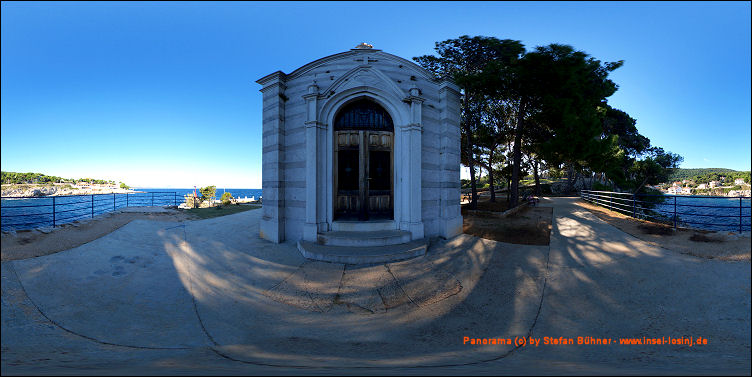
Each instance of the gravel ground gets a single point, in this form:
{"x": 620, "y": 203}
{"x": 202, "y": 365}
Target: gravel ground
{"x": 719, "y": 245}
{"x": 38, "y": 242}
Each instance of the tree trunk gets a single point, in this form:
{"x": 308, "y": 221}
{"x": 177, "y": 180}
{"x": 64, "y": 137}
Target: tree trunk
{"x": 517, "y": 156}
{"x": 468, "y": 131}
{"x": 491, "y": 176}
{"x": 570, "y": 178}
{"x": 471, "y": 165}
{"x": 577, "y": 177}
{"x": 640, "y": 186}
{"x": 509, "y": 183}
{"x": 537, "y": 179}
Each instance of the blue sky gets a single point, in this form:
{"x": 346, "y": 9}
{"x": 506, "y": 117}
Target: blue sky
{"x": 164, "y": 94}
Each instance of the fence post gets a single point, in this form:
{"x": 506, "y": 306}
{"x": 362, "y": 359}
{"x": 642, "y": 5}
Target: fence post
{"x": 92, "y": 206}
{"x": 152, "y": 199}
{"x": 53, "y": 212}
{"x": 611, "y": 200}
{"x": 740, "y": 215}
{"x": 126, "y": 200}
{"x": 113, "y": 201}
{"x": 176, "y": 197}
{"x": 674, "y": 212}
{"x": 634, "y": 205}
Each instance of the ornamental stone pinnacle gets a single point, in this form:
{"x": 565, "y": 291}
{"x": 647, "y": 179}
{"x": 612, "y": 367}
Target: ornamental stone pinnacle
{"x": 364, "y": 45}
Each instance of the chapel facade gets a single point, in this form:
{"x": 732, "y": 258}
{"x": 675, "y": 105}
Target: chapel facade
{"x": 360, "y": 141}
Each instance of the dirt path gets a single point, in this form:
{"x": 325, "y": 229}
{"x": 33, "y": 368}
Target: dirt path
{"x": 530, "y": 226}
{"x": 721, "y": 245}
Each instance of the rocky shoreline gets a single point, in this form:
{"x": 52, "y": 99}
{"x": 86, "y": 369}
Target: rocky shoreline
{"x": 37, "y": 191}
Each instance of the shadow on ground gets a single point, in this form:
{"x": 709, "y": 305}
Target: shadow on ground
{"x": 211, "y": 292}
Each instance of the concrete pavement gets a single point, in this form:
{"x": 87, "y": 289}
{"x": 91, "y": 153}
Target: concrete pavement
{"x": 209, "y": 295}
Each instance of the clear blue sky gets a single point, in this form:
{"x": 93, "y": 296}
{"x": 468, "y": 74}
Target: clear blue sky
{"x": 163, "y": 94}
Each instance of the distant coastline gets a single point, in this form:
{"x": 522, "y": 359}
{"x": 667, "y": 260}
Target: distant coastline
{"x": 24, "y": 190}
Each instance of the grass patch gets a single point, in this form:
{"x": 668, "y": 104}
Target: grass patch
{"x": 207, "y": 213}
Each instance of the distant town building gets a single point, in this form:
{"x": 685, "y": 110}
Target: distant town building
{"x": 744, "y": 193}
{"x": 739, "y": 181}
{"x": 679, "y": 190}
{"x": 714, "y": 184}
{"x": 702, "y": 186}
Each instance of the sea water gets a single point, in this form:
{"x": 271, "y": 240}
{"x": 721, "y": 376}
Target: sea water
{"x": 30, "y": 213}
{"x": 710, "y": 213}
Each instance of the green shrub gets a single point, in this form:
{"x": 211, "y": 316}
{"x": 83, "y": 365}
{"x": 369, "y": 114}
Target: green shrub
{"x": 226, "y": 198}
{"x": 208, "y": 193}
{"x": 597, "y": 186}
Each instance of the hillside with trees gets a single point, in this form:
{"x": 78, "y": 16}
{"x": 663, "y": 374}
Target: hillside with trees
{"x": 39, "y": 178}
{"x": 705, "y": 175}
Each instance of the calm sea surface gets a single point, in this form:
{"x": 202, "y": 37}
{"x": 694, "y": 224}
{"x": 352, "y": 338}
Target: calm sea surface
{"x": 236, "y": 193}
{"x": 29, "y": 213}
{"x": 708, "y": 213}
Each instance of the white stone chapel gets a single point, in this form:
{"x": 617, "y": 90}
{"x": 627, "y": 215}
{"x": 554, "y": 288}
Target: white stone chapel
{"x": 360, "y": 141}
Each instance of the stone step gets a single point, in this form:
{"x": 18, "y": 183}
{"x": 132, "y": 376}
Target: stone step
{"x": 363, "y": 255}
{"x": 375, "y": 238}
{"x": 363, "y": 226}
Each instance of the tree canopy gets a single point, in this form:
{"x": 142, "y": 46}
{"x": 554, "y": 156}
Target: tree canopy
{"x": 39, "y": 178}
{"x": 208, "y": 192}
{"x": 549, "y": 104}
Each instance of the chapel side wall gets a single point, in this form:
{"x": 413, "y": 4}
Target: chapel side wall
{"x": 273, "y": 145}
{"x": 294, "y": 162}
{"x": 430, "y": 163}
{"x": 450, "y": 222}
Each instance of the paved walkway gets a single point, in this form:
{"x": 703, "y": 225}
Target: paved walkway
{"x": 210, "y": 296}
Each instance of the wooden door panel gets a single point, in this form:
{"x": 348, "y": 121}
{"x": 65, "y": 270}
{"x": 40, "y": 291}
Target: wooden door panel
{"x": 364, "y": 167}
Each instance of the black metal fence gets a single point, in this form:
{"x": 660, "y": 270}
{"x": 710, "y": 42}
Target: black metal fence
{"x": 28, "y": 213}
{"x": 678, "y": 210}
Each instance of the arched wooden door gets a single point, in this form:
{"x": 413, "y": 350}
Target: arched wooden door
{"x": 363, "y": 162}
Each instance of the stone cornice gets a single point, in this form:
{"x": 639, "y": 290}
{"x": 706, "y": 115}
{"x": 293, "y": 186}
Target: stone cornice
{"x": 412, "y": 127}
{"x": 409, "y": 99}
{"x": 448, "y": 85}
{"x": 385, "y": 81}
{"x": 271, "y": 78}
{"x": 357, "y": 52}
{"x": 315, "y": 123}
{"x": 273, "y": 85}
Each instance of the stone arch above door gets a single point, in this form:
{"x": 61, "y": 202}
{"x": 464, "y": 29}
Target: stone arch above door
{"x": 364, "y": 76}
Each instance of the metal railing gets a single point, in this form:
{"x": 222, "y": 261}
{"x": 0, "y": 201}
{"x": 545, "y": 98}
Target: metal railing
{"x": 667, "y": 209}
{"x": 53, "y": 211}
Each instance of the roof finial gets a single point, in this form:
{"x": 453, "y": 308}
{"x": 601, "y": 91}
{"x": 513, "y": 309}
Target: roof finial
{"x": 364, "y": 45}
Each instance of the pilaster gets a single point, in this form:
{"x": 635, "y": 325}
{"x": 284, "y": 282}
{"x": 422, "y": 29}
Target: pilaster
{"x": 273, "y": 141}
{"x": 450, "y": 219}
{"x": 315, "y": 160}
{"x": 412, "y": 218}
